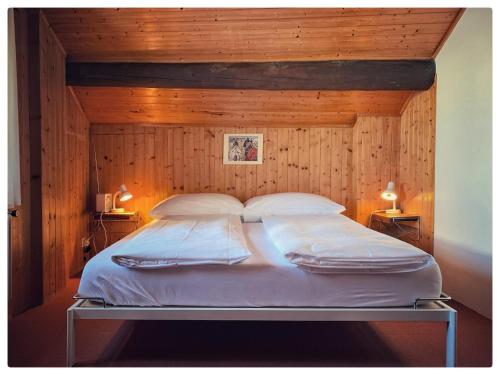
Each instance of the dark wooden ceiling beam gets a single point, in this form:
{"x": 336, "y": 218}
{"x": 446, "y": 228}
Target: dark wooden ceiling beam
{"x": 310, "y": 75}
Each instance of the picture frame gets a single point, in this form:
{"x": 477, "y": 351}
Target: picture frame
{"x": 243, "y": 149}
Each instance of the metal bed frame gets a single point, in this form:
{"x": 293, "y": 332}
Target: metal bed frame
{"x": 423, "y": 310}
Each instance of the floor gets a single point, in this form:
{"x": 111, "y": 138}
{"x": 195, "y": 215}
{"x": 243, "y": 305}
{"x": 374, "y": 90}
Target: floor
{"x": 38, "y": 338}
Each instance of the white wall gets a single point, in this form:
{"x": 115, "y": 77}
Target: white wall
{"x": 463, "y": 213}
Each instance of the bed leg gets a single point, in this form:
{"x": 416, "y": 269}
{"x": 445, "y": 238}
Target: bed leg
{"x": 70, "y": 338}
{"x": 451, "y": 339}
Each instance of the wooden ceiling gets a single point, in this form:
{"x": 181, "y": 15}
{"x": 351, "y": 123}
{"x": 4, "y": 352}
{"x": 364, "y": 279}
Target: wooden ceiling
{"x": 235, "y": 107}
{"x": 286, "y": 34}
{"x": 245, "y": 35}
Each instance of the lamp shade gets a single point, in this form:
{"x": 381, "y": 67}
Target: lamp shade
{"x": 125, "y": 195}
{"x": 389, "y": 193}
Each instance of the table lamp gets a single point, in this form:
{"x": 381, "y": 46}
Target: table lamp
{"x": 390, "y": 195}
{"x": 124, "y": 194}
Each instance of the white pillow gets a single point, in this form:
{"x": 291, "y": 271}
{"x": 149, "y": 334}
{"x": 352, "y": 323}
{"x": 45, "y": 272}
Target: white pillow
{"x": 197, "y": 204}
{"x": 289, "y": 204}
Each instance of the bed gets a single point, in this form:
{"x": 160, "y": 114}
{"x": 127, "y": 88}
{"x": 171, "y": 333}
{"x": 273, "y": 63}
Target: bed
{"x": 266, "y": 286}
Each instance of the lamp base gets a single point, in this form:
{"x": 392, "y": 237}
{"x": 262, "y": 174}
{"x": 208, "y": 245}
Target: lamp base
{"x": 118, "y": 210}
{"x": 393, "y": 211}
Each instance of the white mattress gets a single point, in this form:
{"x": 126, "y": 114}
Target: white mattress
{"x": 266, "y": 278}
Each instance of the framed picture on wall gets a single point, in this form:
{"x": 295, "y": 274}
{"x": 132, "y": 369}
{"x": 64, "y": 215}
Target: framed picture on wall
{"x": 243, "y": 148}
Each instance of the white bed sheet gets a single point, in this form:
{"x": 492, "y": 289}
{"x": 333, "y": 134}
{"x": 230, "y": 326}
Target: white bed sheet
{"x": 266, "y": 278}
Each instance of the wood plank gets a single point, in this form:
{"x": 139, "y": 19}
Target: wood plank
{"x": 314, "y": 75}
{"x": 325, "y": 162}
{"x": 178, "y": 160}
{"x": 250, "y": 174}
{"x": 304, "y": 171}
{"x": 282, "y": 158}
{"x": 336, "y": 165}
{"x": 314, "y": 160}
{"x": 271, "y": 150}
{"x": 293, "y": 159}
{"x": 347, "y": 172}
{"x": 218, "y": 163}
{"x": 261, "y": 170}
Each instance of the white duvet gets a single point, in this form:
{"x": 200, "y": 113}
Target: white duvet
{"x": 185, "y": 242}
{"x": 337, "y": 244}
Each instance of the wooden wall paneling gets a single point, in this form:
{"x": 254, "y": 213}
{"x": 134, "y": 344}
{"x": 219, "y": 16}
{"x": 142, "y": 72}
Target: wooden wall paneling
{"x": 336, "y": 165}
{"x": 230, "y": 169}
{"x": 282, "y": 169}
{"x": 271, "y": 160}
{"x": 373, "y": 158}
{"x": 286, "y": 152}
{"x": 261, "y": 172}
{"x": 395, "y": 147}
{"x": 251, "y": 173}
{"x": 163, "y": 173}
{"x": 199, "y": 152}
{"x": 75, "y": 165}
{"x": 430, "y": 160}
{"x": 325, "y": 162}
{"x": 293, "y": 160}
{"x": 208, "y": 159}
{"x": 149, "y": 171}
{"x": 219, "y": 179}
{"x": 416, "y": 171}
{"x": 314, "y": 159}
{"x": 240, "y": 174}
{"x": 351, "y": 166}
{"x": 141, "y": 187}
{"x": 188, "y": 161}
{"x": 304, "y": 171}
{"x": 347, "y": 171}
{"x": 178, "y": 160}
{"x": 64, "y": 167}
{"x": 52, "y": 84}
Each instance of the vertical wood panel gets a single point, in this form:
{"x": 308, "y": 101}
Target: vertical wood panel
{"x": 373, "y": 161}
{"x": 291, "y": 156}
{"x": 64, "y": 168}
{"x": 271, "y": 150}
{"x": 314, "y": 160}
{"x": 304, "y": 181}
{"x": 261, "y": 172}
{"x": 347, "y": 172}
{"x": 336, "y": 165}
{"x": 293, "y": 160}
{"x": 218, "y": 162}
{"x": 350, "y": 166}
{"x": 178, "y": 160}
{"x": 416, "y": 170}
{"x": 74, "y": 191}
{"x": 250, "y": 173}
{"x": 325, "y": 162}
{"x": 282, "y": 160}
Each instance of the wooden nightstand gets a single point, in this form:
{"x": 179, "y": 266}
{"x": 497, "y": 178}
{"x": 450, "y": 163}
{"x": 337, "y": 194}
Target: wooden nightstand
{"x": 396, "y": 225}
{"x": 118, "y": 225}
